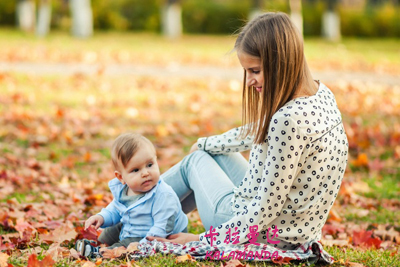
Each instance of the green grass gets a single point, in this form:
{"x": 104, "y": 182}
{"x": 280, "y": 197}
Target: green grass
{"x": 379, "y": 216}
{"x": 386, "y": 187}
{"x": 370, "y": 257}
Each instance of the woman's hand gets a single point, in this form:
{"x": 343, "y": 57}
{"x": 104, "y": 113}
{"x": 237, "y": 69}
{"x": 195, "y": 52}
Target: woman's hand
{"x": 180, "y": 238}
{"x": 193, "y": 148}
{"x": 95, "y": 220}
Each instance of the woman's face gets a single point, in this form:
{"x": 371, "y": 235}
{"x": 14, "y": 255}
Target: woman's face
{"x": 253, "y": 68}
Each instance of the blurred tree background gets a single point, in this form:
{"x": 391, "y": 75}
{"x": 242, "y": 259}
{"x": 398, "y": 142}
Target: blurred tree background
{"x": 361, "y": 18}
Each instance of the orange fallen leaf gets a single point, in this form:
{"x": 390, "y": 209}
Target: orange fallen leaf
{"x": 34, "y": 262}
{"x": 56, "y": 251}
{"x": 87, "y": 157}
{"x": 354, "y": 264}
{"x": 113, "y": 253}
{"x": 98, "y": 261}
{"x": 361, "y": 161}
{"x": 334, "y": 216}
{"x": 59, "y": 235}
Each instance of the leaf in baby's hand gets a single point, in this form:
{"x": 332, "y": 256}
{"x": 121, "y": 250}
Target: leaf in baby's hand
{"x": 89, "y": 233}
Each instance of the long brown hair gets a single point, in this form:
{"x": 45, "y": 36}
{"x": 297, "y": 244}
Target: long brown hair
{"x": 274, "y": 39}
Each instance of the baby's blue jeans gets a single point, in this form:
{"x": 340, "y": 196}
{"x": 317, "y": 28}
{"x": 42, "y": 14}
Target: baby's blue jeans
{"x": 206, "y": 182}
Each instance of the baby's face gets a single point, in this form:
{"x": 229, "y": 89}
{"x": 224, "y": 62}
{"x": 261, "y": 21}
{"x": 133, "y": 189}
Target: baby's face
{"x": 141, "y": 173}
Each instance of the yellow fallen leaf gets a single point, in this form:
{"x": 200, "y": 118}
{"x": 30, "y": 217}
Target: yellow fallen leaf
{"x": 184, "y": 258}
{"x": 89, "y": 264}
{"x": 132, "y": 247}
{"x": 3, "y": 259}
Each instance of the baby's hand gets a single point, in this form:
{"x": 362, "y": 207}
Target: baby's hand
{"x": 95, "y": 220}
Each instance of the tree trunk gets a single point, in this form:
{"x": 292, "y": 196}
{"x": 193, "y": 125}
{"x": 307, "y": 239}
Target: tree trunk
{"x": 296, "y": 14}
{"x": 256, "y": 9}
{"x": 44, "y": 18}
{"x": 331, "y": 22}
{"x": 26, "y": 15}
{"x": 82, "y": 18}
{"x": 172, "y": 19}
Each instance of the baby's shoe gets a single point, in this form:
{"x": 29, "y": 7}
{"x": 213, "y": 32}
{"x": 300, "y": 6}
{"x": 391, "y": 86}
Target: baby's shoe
{"x": 87, "y": 248}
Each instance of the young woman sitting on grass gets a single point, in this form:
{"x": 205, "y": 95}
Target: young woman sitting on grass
{"x": 298, "y": 153}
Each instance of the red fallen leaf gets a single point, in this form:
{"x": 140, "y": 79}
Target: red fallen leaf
{"x": 90, "y": 233}
{"x": 332, "y": 229}
{"x": 34, "y": 262}
{"x": 22, "y": 225}
{"x": 5, "y": 246}
{"x": 365, "y": 238}
{"x": 376, "y": 165}
{"x": 33, "y": 164}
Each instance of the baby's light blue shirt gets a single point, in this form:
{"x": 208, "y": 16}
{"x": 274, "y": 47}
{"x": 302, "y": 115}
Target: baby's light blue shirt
{"x": 157, "y": 213}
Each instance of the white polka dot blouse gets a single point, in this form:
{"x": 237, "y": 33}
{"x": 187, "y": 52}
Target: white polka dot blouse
{"x": 293, "y": 178}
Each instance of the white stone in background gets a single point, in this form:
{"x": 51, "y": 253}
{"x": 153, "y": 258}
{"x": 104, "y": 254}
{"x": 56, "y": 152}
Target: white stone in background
{"x": 255, "y": 13}
{"x": 172, "y": 21}
{"x": 82, "y": 18}
{"x": 331, "y": 26}
{"x": 297, "y": 19}
{"x": 44, "y": 18}
{"x": 296, "y": 15}
{"x": 26, "y": 15}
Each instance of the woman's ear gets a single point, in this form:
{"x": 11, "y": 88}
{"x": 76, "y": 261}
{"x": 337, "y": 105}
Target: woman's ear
{"x": 118, "y": 175}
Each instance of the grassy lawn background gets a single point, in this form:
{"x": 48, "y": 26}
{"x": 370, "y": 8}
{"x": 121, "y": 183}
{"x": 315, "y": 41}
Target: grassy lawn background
{"x": 56, "y": 132}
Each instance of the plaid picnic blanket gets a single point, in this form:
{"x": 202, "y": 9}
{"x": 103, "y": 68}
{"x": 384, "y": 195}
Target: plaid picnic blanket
{"x": 311, "y": 252}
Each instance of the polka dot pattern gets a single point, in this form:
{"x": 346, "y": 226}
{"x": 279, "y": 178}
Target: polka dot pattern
{"x": 292, "y": 178}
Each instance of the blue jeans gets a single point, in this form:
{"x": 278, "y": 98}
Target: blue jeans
{"x": 206, "y": 182}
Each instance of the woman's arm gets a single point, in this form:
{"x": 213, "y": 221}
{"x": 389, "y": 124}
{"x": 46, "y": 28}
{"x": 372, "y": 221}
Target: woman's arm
{"x": 225, "y": 143}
